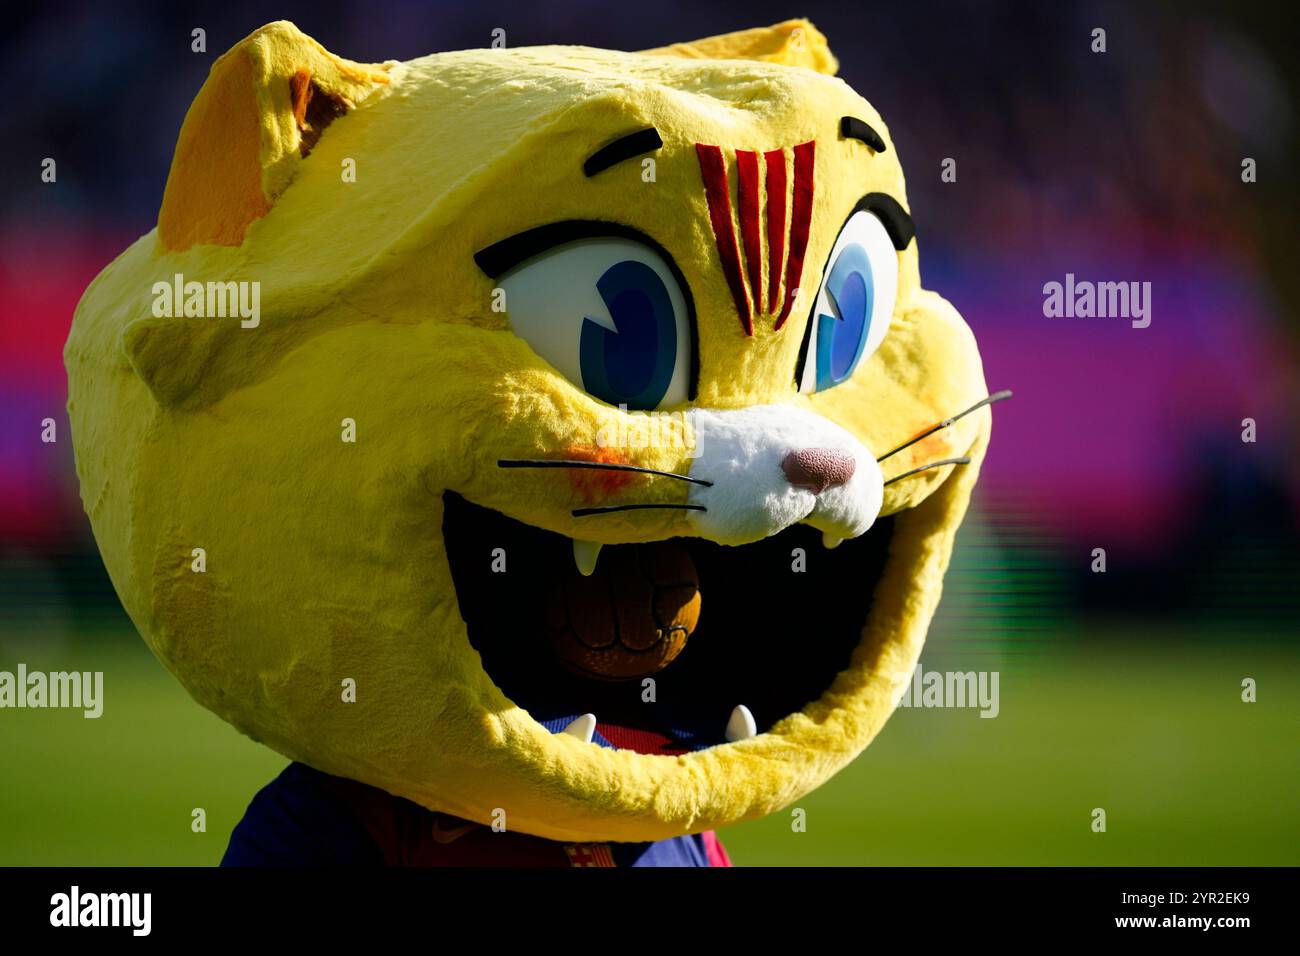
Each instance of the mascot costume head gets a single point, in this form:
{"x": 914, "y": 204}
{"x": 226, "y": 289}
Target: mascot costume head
{"x": 458, "y": 403}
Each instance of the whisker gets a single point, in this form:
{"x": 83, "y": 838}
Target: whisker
{"x": 995, "y": 397}
{"x": 610, "y": 509}
{"x": 599, "y": 465}
{"x": 964, "y": 460}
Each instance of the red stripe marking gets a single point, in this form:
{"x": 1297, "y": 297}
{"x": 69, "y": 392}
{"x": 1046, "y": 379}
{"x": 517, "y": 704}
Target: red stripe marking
{"x": 714, "y": 850}
{"x": 776, "y": 182}
{"x": 747, "y": 177}
{"x": 800, "y": 220}
{"x": 718, "y": 193}
{"x": 642, "y": 741}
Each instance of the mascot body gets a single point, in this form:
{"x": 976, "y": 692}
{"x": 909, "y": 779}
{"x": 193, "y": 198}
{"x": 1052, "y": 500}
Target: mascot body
{"x": 495, "y": 435}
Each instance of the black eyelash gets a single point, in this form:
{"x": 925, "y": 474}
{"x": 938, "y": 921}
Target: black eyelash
{"x": 503, "y": 255}
{"x": 896, "y": 221}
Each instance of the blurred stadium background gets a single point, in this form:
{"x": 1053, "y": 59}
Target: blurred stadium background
{"x": 1119, "y": 690}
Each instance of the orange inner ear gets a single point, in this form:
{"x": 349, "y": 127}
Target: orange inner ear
{"x": 313, "y": 108}
{"x": 300, "y": 93}
{"x": 232, "y": 159}
{"x": 212, "y": 195}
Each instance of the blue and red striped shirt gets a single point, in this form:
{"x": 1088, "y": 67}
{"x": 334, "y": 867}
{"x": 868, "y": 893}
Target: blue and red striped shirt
{"x": 308, "y": 818}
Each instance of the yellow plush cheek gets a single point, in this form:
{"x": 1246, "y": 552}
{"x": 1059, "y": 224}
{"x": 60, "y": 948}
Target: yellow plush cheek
{"x": 477, "y": 412}
{"x": 320, "y": 521}
{"x": 927, "y": 369}
{"x": 522, "y": 434}
{"x": 319, "y": 543}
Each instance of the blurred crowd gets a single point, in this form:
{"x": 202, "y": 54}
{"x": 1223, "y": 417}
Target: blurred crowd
{"x": 1118, "y": 165}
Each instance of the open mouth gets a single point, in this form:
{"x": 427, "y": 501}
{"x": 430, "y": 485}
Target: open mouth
{"x": 723, "y": 634}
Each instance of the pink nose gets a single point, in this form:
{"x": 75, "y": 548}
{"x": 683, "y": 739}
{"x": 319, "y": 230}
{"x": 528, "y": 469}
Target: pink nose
{"x": 818, "y": 468}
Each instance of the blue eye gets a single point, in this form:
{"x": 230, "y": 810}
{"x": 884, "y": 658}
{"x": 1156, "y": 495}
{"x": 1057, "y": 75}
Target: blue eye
{"x": 841, "y": 337}
{"x": 853, "y": 307}
{"x": 609, "y": 314}
{"x": 632, "y": 363}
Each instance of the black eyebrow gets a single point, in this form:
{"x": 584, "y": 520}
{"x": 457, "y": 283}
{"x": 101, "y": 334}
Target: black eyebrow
{"x": 853, "y": 128}
{"x": 625, "y": 147}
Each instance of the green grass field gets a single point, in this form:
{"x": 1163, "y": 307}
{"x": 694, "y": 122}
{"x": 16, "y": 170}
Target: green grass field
{"x": 1156, "y": 734}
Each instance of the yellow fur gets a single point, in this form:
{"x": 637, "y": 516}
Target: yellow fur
{"x": 325, "y": 559}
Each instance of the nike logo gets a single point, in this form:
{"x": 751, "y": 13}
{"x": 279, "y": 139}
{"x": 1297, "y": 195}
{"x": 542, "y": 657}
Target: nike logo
{"x": 444, "y": 836}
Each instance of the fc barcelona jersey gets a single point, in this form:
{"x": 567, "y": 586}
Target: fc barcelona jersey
{"x": 308, "y": 818}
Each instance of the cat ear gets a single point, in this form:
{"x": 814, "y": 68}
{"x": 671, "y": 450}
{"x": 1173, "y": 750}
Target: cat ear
{"x": 792, "y": 43}
{"x": 263, "y": 107}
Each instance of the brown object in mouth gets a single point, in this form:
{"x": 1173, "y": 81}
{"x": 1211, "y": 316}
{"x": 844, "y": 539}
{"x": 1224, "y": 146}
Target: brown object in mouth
{"x": 631, "y": 617}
